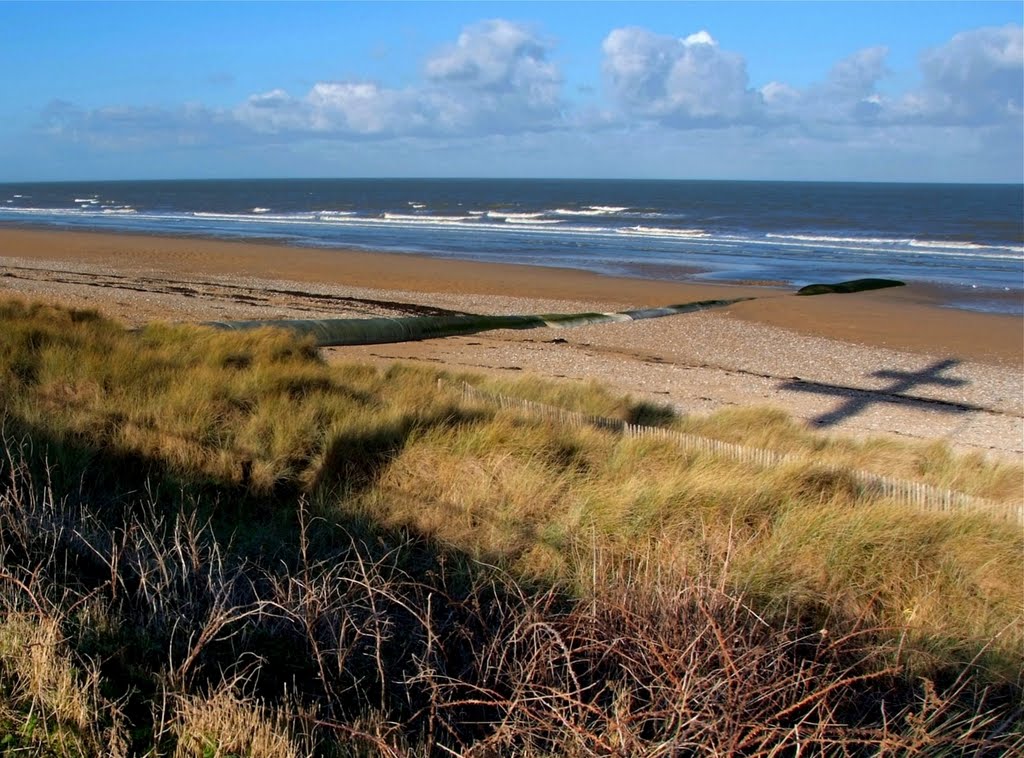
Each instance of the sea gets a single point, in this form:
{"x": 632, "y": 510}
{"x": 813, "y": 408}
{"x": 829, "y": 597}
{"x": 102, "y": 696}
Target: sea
{"x": 968, "y": 238}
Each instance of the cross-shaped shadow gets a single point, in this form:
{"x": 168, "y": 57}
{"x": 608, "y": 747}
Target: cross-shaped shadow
{"x": 857, "y": 399}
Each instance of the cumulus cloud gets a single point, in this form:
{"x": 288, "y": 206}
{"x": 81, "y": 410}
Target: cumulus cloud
{"x": 847, "y": 95}
{"x": 686, "y": 81}
{"x": 363, "y": 108}
{"x": 499, "y": 79}
{"x": 857, "y": 75}
{"x": 779, "y": 95}
{"x": 496, "y": 77}
{"x": 498, "y": 56}
{"x": 975, "y": 78}
{"x": 269, "y": 112}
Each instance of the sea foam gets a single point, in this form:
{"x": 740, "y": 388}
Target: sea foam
{"x": 514, "y": 219}
{"x": 422, "y": 219}
{"x": 518, "y": 216}
{"x": 864, "y": 244}
{"x": 580, "y": 212}
{"x": 655, "y": 231}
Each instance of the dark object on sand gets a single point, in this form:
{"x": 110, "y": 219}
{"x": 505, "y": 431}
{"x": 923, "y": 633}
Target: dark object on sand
{"x": 375, "y": 331}
{"x": 854, "y": 285}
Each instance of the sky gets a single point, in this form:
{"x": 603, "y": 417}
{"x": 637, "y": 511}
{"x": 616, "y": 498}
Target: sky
{"x": 830, "y": 91}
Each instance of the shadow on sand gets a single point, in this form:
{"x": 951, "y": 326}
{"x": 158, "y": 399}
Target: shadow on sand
{"x": 856, "y": 400}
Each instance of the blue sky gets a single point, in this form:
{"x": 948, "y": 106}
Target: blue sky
{"x": 880, "y": 91}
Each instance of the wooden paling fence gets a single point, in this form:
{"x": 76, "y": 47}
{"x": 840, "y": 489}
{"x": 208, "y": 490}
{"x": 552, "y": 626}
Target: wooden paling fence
{"x": 916, "y": 494}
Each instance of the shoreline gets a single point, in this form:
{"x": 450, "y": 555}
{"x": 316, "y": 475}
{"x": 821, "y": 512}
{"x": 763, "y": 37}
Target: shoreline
{"x": 961, "y": 297}
{"x": 887, "y": 362}
{"x": 912, "y": 318}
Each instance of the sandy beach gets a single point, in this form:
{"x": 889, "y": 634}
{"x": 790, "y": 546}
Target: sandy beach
{"x": 889, "y": 362}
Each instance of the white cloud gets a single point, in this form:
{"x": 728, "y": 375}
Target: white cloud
{"x": 848, "y": 94}
{"x": 977, "y": 77}
{"x": 679, "y": 82}
{"x": 498, "y": 56}
{"x": 363, "y": 108}
{"x": 779, "y": 94}
{"x": 497, "y": 84}
{"x": 269, "y": 112}
{"x": 494, "y": 79}
{"x": 703, "y": 37}
{"x": 856, "y": 75}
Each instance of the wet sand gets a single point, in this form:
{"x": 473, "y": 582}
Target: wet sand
{"x": 883, "y": 362}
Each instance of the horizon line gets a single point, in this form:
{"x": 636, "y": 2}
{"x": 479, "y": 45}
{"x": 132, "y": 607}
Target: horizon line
{"x": 1019, "y": 183}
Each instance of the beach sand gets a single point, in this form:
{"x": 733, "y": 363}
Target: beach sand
{"x": 888, "y": 362}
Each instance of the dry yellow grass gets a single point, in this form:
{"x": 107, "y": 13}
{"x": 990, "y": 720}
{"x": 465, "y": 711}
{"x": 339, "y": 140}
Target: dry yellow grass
{"x": 506, "y": 585}
{"x": 262, "y": 413}
{"x": 645, "y": 554}
{"x": 541, "y": 498}
{"x": 763, "y": 427}
{"x": 225, "y": 724}
{"x": 48, "y": 705}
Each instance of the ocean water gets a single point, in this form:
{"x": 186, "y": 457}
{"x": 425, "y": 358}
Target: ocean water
{"x": 968, "y": 237}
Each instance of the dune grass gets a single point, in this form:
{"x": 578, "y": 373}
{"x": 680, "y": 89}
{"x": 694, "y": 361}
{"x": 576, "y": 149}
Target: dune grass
{"x": 590, "y": 533}
{"x": 933, "y": 463}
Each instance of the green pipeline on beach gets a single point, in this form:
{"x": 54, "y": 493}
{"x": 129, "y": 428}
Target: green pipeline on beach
{"x": 379, "y": 331}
